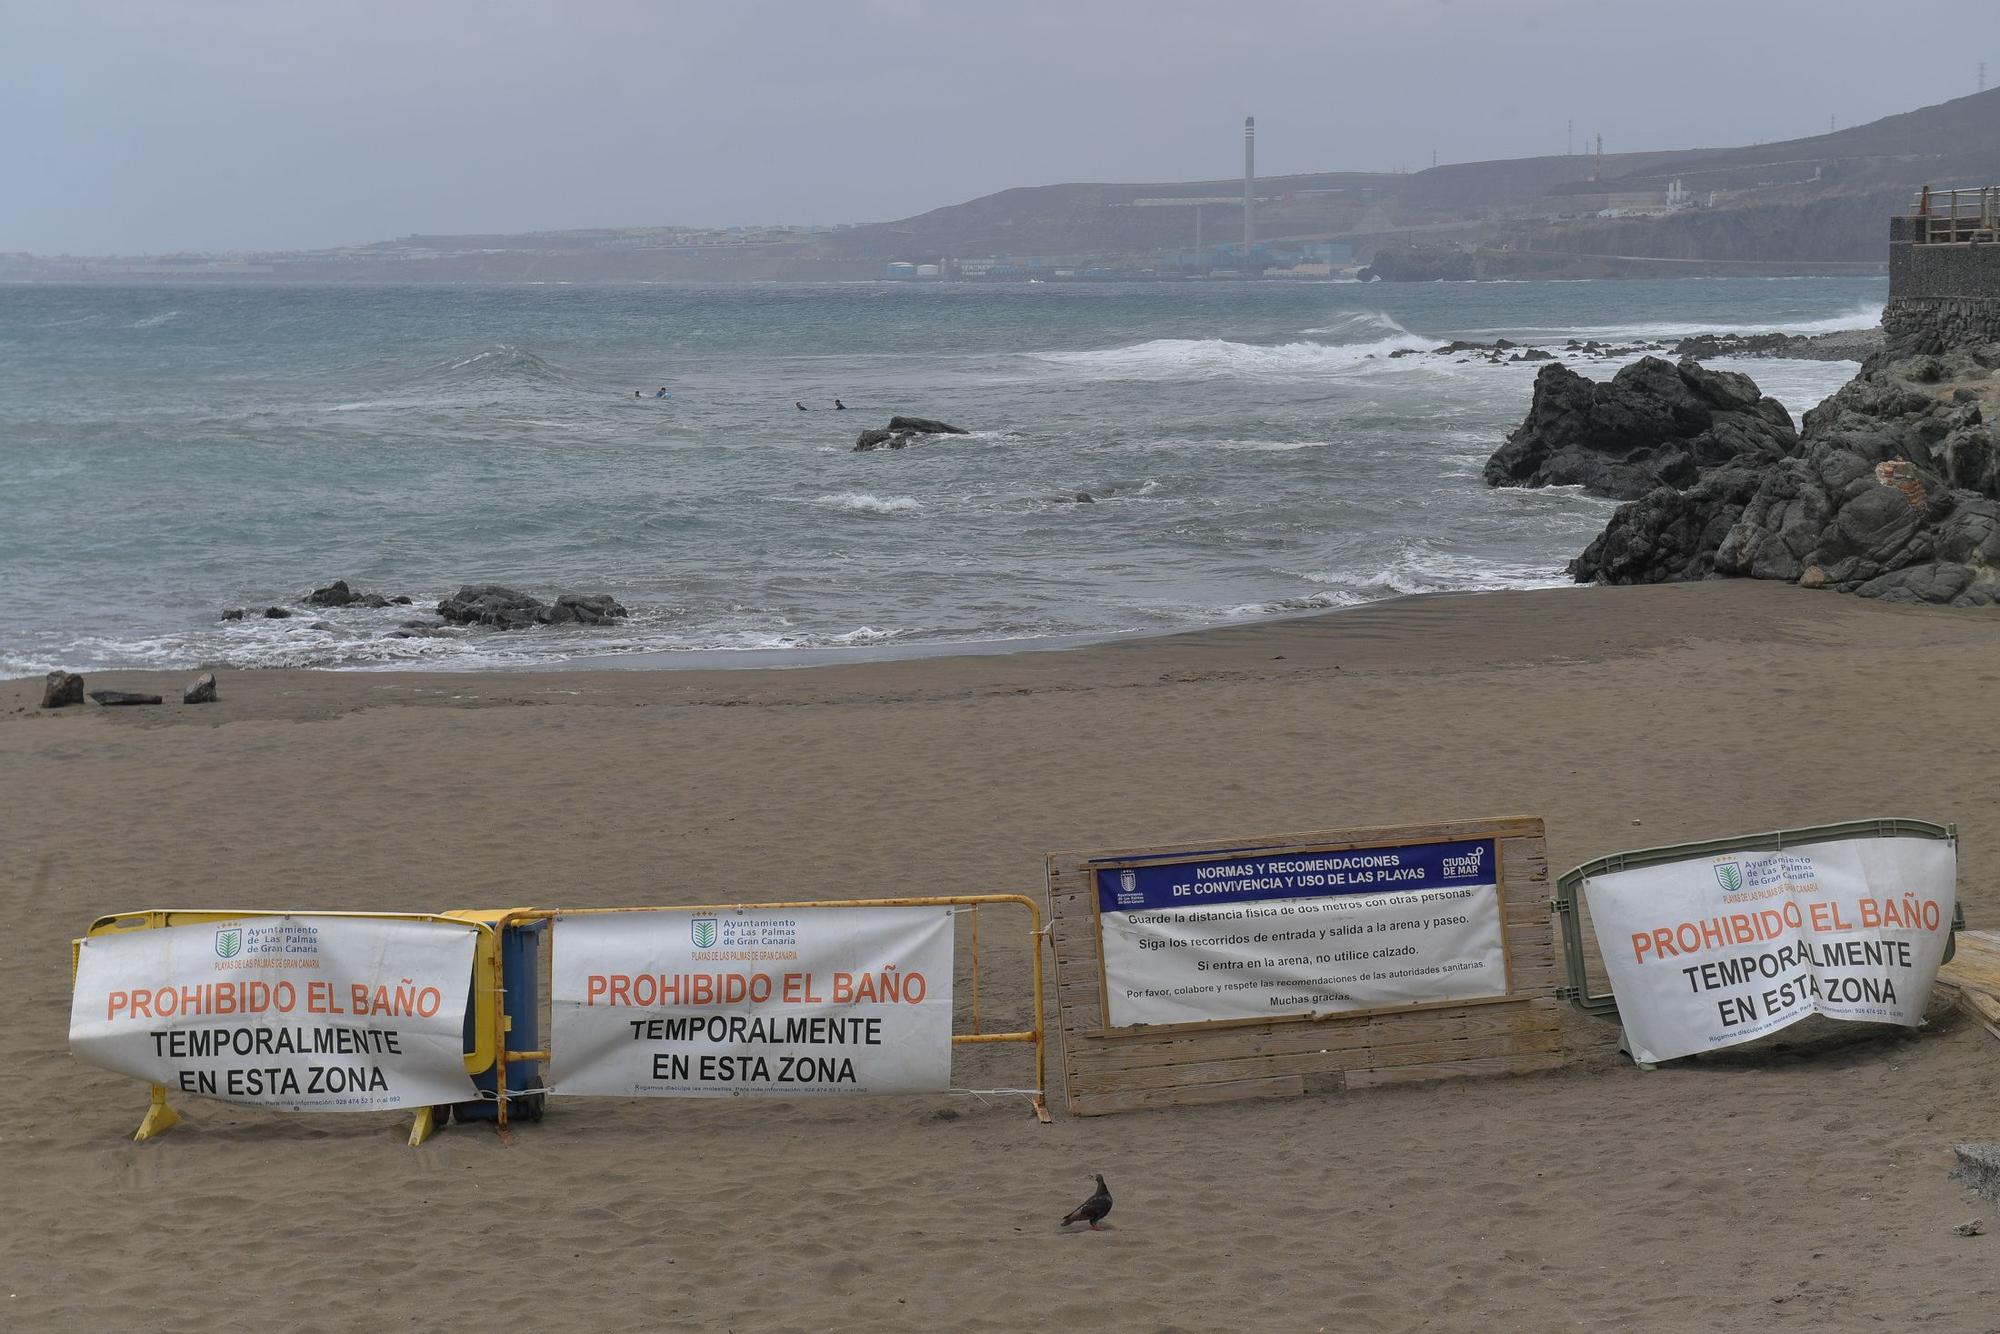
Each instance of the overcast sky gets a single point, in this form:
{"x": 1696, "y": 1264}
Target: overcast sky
{"x": 221, "y": 124}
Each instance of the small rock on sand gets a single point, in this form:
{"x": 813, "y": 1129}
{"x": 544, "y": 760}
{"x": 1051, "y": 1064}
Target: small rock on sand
{"x": 60, "y": 689}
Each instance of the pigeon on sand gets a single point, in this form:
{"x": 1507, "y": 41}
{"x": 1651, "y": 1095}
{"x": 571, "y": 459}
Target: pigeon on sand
{"x": 1092, "y": 1209}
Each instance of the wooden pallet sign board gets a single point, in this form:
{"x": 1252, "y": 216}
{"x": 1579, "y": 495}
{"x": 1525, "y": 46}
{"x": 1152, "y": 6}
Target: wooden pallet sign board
{"x": 1301, "y": 963}
{"x": 1974, "y": 970}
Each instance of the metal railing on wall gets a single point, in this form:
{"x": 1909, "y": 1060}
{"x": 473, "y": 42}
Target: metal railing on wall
{"x": 1958, "y": 216}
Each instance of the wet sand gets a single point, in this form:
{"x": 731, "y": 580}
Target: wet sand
{"x": 1804, "y": 1189}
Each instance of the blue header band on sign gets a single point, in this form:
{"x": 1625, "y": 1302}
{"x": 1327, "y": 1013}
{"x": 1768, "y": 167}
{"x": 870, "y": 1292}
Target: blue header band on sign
{"x": 1297, "y": 875}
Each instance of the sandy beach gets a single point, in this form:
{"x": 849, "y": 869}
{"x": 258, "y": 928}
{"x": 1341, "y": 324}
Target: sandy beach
{"x": 1800, "y": 1190}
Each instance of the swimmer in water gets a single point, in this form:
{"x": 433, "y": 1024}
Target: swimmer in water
{"x": 800, "y": 406}
{"x": 839, "y": 406}
{"x": 663, "y": 393}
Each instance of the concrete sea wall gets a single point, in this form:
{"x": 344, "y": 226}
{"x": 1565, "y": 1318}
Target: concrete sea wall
{"x": 1941, "y": 296}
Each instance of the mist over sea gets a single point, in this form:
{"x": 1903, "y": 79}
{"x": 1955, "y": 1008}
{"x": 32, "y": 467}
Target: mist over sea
{"x": 1252, "y": 448}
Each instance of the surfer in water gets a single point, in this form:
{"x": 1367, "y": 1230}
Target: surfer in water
{"x": 800, "y": 406}
{"x": 663, "y": 393}
{"x": 839, "y": 406}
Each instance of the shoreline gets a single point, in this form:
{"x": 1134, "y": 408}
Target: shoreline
{"x": 1481, "y": 627}
{"x": 724, "y": 660}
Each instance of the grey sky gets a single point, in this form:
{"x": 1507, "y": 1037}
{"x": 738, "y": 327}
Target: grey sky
{"x": 214, "y": 124}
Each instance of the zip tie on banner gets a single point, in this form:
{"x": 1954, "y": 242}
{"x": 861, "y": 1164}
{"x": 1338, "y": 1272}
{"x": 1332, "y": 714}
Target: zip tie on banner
{"x": 488, "y": 1095}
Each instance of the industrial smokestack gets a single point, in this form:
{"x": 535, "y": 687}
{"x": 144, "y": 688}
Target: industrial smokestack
{"x": 1249, "y": 183}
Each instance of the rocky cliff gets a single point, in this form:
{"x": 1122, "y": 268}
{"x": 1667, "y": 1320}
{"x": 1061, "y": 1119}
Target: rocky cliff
{"x": 1653, "y": 424}
{"x": 1892, "y": 491}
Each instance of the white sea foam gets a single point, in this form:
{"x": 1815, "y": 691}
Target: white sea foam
{"x": 1255, "y": 446}
{"x": 859, "y": 637}
{"x": 1326, "y": 601}
{"x": 860, "y": 502}
{"x": 1219, "y": 358}
{"x": 1865, "y": 315}
{"x": 155, "y": 321}
{"x": 1420, "y": 569}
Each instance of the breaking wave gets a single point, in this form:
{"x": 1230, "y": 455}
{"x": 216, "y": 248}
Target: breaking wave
{"x": 502, "y": 361}
{"x": 1219, "y": 358}
{"x": 860, "y": 502}
{"x": 1421, "y": 568}
{"x": 1360, "y": 326}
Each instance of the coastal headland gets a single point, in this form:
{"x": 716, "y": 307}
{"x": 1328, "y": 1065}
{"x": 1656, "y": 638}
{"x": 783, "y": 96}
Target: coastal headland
{"x": 1809, "y": 1183}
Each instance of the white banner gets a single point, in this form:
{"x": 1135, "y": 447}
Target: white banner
{"x": 707, "y": 1004}
{"x": 1271, "y": 936}
{"x": 307, "y": 1014}
{"x": 1716, "y": 950}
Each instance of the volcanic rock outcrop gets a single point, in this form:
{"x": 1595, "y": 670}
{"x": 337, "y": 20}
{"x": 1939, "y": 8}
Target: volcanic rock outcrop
{"x": 507, "y": 609}
{"x": 338, "y": 594}
{"x": 1653, "y": 424}
{"x": 901, "y": 431}
{"x": 1893, "y": 492}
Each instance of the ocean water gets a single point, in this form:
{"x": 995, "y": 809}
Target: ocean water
{"x": 167, "y": 452}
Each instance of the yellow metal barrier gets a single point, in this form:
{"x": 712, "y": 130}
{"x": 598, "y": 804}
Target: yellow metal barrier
{"x": 1036, "y": 1035}
{"x": 485, "y": 981}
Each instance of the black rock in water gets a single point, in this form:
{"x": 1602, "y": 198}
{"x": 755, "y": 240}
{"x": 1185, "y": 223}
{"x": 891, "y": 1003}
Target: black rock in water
{"x": 233, "y": 614}
{"x": 925, "y": 426}
{"x": 1841, "y": 345}
{"x": 901, "y": 431}
{"x": 1653, "y": 424}
{"x": 338, "y": 594}
{"x": 491, "y": 604}
{"x": 277, "y": 613}
{"x": 61, "y": 689}
{"x": 335, "y": 594}
{"x": 583, "y": 609}
{"x": 508, "y": 609}
{"x": 110, "y": 698}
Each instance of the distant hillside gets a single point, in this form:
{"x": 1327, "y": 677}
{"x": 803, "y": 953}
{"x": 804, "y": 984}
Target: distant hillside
{"x": 1802, "y": 205}
{"x": 1820, "y": 200}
